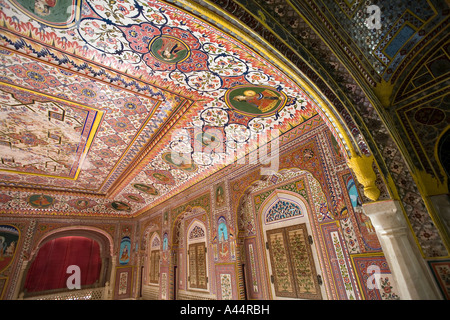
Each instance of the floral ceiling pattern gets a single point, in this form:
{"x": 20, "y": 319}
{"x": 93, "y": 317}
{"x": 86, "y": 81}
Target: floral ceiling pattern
{"x": 110, "y": 107}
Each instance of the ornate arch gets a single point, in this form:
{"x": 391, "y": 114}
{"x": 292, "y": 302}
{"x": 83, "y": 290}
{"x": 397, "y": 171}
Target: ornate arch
{"x": 196, "y": 231}
{"x": 103, "y": 238}
{"x": 176, "y": 225}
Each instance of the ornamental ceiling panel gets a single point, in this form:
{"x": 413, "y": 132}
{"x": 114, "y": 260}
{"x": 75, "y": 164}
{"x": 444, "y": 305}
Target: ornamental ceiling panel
{"x": 110, "y": 107}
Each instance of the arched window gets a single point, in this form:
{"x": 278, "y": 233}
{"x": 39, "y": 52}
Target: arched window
{"x": 49, "y": 269}
{"x": 444, "y": 153}
{"x": 197, "y": 258}
{"x": 155, "y": 246}
{"x": 222, "y": 229}
{"x": 165, "y": 242}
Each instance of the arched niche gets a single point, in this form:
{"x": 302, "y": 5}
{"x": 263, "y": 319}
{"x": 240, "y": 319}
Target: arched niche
{"x": 155, "y": 241}
{"x": 253, "y": 230}
{"x": 154, "y": 254}
{"x": 102, "y": 237}
{"x": 149, "y": 230}
{"x": 441, "y": 200}
{"x": 178, "y": 228}
{"x": 77, "y": 238}
{"x": 245, "y": 203}
{"x": 197, "y": 256}
{"x": 291, "y": 254}
{"x": 191, "y": 219}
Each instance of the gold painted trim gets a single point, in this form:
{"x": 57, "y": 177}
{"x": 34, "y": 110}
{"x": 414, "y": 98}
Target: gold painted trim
{"x": 436, "y": 154}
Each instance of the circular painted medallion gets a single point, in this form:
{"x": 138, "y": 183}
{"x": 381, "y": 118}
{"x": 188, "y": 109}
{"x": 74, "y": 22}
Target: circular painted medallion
{"x": 429, "y": 116}
{"x": 120, "y": 206}
{"x": 180, "y": 161}
{"x": 82, "y": 203}
{"x": 146, "y": 188}
{"x": 134, "y": 197}
{"x": 40, "y": 201}
{"x": 169, "y": 49}
{"x": 255, "y": 100}
{"x": 210, "y": 139}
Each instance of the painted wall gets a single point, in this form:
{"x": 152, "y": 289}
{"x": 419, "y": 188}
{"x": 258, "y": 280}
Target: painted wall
{"x": 228, "y": 213}
{"x": 231, "y": 210}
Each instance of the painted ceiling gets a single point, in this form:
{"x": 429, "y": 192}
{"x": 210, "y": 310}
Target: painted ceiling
{"x": 111, "y": 107}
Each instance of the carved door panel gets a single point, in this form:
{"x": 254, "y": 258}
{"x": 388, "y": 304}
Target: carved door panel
{"x": 197, "y": 266}
{"x": 154, "y": 266}
{"x": 281, "y": 267}
{"x": 293, "y": 269}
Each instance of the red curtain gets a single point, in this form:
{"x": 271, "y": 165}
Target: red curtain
{"x": 49, "y": 270}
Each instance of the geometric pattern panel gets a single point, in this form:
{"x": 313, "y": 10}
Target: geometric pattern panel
{"x": 114, "y": 123}
{"x": 441, "y": 272}
{"x": 402, "y": 27}
{"x": 374, "y": 277}
{"x": 423, "y": 121}
{"x": 341, "y": 271}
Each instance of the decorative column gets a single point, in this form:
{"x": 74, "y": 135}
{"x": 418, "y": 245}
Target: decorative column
{"x": 17, "y": 294}
{"x": 112, "y": 276}
{"x": 400, "y": 250}
{"x": 362, "y": 168}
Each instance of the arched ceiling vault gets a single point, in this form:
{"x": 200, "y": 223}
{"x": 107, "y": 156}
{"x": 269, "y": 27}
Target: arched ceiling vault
{"x": 100, "y": 97}
{"x": 392, "y": 80}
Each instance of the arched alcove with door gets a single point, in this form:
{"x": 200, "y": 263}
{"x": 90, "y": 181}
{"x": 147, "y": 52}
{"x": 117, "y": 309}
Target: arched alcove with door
{"x": 441, "y": 201}
{"x": 268, "y": 214}
{"x": 291, "y": 256}
{"x": 298, "y": 246}
{"x": 191, "y": 258}
{"x": 151, "y": 262}
{"x": 197, "y": 258}
{"x": 154, "y": 259}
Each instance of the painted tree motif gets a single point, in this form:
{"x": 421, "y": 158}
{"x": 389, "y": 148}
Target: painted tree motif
{"x": 292, "y": 263}
{"x": 301, "y": 262}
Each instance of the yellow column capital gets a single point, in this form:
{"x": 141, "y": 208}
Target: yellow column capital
{"x": 362, "y": 168}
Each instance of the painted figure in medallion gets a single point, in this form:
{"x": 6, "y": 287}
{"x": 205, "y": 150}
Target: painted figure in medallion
{"x": 120, "y": 206}
{"x": 9, "y": 237}
{"x": 145, "y": 188}
{"x": 43, "y": 7}
{"x": 40, "y": 201}
{"x": 255, "y": 100}
{"x": 180, "y": 161}
{"x": 169, "y": 49}
{"x": 53, "y": 13}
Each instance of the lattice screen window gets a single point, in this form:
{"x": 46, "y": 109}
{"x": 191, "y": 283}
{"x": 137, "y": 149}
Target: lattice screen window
{"x": 197, "y": 266}
{"x": 197, "y": 233}
{"x": 294, "y": 273}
